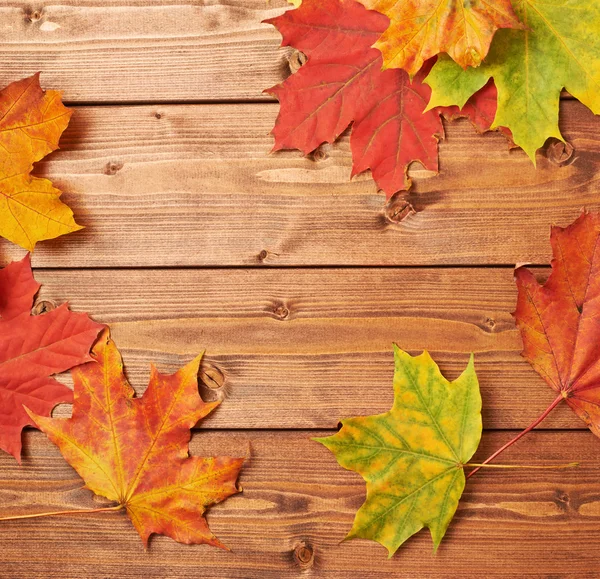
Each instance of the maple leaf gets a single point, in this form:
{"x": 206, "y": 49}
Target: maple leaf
{"x": 342, "y": 84}
{"x": 412, "y": 457}
{"x": 32, "y": 348}
{"x": 480, "y": 109}
{"x": 559, "y": 320}
{"x": 31, "y": 123}
{"x": 560, "y": 48}
{"x": 134, "y": 451}
{"x": 420, "y": 29}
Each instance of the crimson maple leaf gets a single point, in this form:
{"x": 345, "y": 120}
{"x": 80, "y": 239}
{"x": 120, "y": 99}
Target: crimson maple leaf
{"x": 32, "y": 348}
{"x": 342, "y": 84}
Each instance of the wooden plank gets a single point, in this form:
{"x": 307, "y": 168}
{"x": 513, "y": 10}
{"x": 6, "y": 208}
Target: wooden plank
{"x": 508, "y": 524}
{"x": 196, "y": 185}
{"x": 139, "y": 51}
{"x": 304, "y": 348}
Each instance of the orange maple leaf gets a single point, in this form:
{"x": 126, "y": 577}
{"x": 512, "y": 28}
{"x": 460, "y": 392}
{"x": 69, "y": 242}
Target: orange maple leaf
{"x": 134, "y": 451}
{"x": 31, "y": 123}
{"x": 420, "y": 29}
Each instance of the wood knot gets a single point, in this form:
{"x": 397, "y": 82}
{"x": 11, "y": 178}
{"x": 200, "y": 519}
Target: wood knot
{"x": 33, "y": 15}
{"x": 296, "y": 60}
{"x": 113, "y": 168}
{"x": 42, "y": 307}
{"x": 281, "y": 312}
{"x": 211, "y": 383}
{"x": 304, "y": 555}
{"x": 562, "y": 499}
{"x": 158, "y": 115}
{"x": 211, "y": 376}
{"x": 320, "y": 153}
{"x": 398, "y": 208}
{"x": 559, "y": 153}
{"x": 490, "y": 323}
{"x": 263, "y": 255}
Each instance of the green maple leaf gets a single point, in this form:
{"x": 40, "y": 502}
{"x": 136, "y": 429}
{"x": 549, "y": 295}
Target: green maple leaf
{"x": 412, "y": 457}
{"x": 560, "y": 48}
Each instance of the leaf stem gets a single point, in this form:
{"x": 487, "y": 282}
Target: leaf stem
{"x": 51, "y": 514}
{"x": 557, "y": 466}
{"x": 541, "y": 417}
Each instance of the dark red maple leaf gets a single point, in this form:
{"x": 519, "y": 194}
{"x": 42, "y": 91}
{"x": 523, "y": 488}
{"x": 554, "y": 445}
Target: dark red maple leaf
{"x": 32, "y": 348}
{"x": 342, "y": 84}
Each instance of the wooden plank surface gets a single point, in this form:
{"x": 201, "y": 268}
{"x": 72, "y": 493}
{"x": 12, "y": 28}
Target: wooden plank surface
{"x": 303, "y": 348}
{"x": 296, "y": 507}
{"x": 140, "y": 51}
{"x": 196, "y": 186}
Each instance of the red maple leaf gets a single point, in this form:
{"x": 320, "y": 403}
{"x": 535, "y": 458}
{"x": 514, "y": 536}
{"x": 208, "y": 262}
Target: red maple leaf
{"x": 32, "y": 348}
{"x": 559, "y": 321}
{"x": 342, "y": 84}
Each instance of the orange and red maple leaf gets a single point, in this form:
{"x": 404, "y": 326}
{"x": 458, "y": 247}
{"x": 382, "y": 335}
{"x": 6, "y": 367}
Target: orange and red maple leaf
{"x": 32, "y": 349}
{"x": 560, "y": 320}
{"x": 134, "y": 451}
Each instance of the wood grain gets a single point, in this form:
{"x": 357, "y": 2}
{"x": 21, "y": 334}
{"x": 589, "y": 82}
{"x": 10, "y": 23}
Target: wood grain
{"x": 303, "y": 348}
{"x": 140, "y": 51}
{"x": 296, "y": 507}
{"x": 185, "y": 186}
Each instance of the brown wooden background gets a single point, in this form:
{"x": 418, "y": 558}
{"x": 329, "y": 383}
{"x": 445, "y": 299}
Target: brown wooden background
{"x": 296, "y": 281}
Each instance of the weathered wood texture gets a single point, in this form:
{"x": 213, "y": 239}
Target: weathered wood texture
{"x": 296, "y": 507}
{"x": 196, "y": 185}
{"x": 304, "y": 348}
{"x": 145, "y": 51}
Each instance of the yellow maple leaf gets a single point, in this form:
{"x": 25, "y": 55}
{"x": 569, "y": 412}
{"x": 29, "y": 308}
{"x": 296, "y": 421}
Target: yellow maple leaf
{"x": 31, "y": 123}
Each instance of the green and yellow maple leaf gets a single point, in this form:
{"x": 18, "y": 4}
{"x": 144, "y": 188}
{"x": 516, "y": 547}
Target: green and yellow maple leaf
{"x": 559, "y": 48}
{"x": 412, "y": 457}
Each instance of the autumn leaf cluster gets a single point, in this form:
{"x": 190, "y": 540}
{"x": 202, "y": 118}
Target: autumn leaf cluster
{"x": 132, "y": 451}
{"x": 390, "y": 70}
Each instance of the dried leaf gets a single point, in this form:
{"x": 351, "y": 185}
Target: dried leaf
{"x": 32, "y": 348}
{"x": 342, "y": 84}
{"x": 412, "y": 457}
{"x": 134, "y": 451}
{"x": 560, "y": 48}
{"x": 31, "y": 123}
{"x": 559, "y": 320}
{"x": 420, "y": 29}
